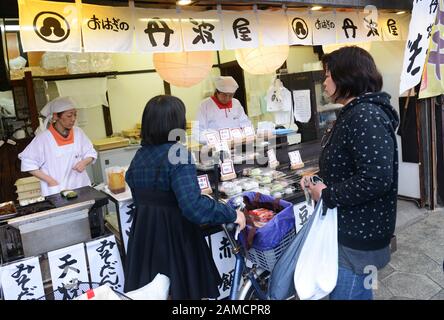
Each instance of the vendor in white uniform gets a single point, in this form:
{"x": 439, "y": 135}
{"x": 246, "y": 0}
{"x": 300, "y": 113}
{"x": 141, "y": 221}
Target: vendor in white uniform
{"x": 60, "y": 153}
{"x": 221, "y": 110}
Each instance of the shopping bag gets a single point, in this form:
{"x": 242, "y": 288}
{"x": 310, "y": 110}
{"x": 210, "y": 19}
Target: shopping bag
{"x": 316, "y": 270}
{"x": 281, "y": 283}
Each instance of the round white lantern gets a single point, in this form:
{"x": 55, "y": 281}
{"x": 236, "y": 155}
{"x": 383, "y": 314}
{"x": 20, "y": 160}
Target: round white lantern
{"x": 262, "y": 60}
{"x": 183, "y": 69}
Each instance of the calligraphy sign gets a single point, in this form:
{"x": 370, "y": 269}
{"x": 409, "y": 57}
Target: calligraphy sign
{"x": 157, "y": 30}
{"x": 350, "y": 27}
{"x": 240, "y": 30}
{"x": 107, "y": 29}
{"x": 201, "y": 30}
{"x": 324, "y": 28}
{"x": 22, "y": 280}
{"x": 49, "y": 26}
{"x": 300, "y": 28}
{"x": 67, "y": 264}
{"x": 126, "y": 214}
{"x": 273, "y": 26}
{"x": 390, "y": 27}
{"x": 301, "y": 213}
{"x": 105, "y": 265}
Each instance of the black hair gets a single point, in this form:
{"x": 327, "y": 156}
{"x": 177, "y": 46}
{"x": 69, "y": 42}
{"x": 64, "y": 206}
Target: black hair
{"x": 354, "y": 72}
{"x": 162, "y": 114}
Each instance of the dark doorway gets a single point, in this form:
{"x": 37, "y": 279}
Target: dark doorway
{"x": 233, "y": 69}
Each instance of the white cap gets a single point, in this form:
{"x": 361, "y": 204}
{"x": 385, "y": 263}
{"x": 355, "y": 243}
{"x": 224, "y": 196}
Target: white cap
{"x": 226, "y": 84}
{"x": 57, "y": 105}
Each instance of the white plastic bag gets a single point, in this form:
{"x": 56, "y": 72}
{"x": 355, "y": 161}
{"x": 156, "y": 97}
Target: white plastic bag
{"x": 157, "y": 289}
{"x": 316, "y": 270}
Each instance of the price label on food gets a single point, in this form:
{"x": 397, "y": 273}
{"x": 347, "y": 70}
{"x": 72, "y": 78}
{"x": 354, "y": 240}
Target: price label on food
{"x": 248, "y": 131}
{"x": 227, "y": 167}
{"x": 295, "y": 157}
{"x": 271, "y": 156}
{"x": 212, "y": 138}
{"x": 225, "y": 134}
{"x": 236, "y": 134}
{"x": 204, "y": 182}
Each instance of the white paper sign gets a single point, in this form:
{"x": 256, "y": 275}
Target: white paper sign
{"x": 236, "y": 134}
{"x": 390, "y": 26}
{"x": 204, "y": 182}
{"x": 324, "y": 28}
{"x": 101, "y": 24}
{"x": 224, "y": 260}
{"x": 126, "y": 213}
{"x": 300, "y": 28}
{"x": 157, "y": 30}
{"x": 67, "y": 264}
{"x": 302, "y": 212}
{"x": 248, "y": 131}
{"x": 212, "y": 138}
{"x": 350, "y": 27}
{"x": 301, "y": 105}
{"x": 418, "y": 42}
{"x": 295, "y": 157}
{"x": 225, "y": 134}
{"x": 201, "y": 30}
{"x": 105, "y": 265}
{"x": 273, "y": 27}
{"x": 227, "y": 167}
{"x": 271, "y": 156}
{"x": 49, "y": 26}
{"x": 370, "y": 25}
{"x": 240, "y": 29}
{"x": 22, "y": 280}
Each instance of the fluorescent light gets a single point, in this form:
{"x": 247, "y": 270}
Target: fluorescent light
{"x": 184, "y": 2}
{"x": 316, "y": 8}
{"x": 12, "y": 27}
{"x": 400, "y": 12}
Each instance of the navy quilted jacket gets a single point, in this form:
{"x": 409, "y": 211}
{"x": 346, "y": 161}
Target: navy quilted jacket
{"x": 359, "y": 165}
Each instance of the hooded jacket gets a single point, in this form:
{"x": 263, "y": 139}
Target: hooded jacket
{"x": 359, "y": 165}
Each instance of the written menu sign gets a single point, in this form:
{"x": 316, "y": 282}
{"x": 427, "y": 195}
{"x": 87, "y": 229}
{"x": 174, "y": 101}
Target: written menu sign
{"x": 56, "y": 26}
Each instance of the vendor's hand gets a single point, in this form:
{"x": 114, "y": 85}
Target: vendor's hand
{"x": 52, "y": 183}
{"x": 316, "y": 190}
{"x": 80, "y": 166}
{"x": 240, "y": 219}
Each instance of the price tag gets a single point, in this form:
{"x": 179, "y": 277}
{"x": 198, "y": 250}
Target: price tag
{"x": 225, "y": 134}
{"x": 236, "y": 134}
{"x": 212, "y": 138}
{"x": 204, "y": 182}
{"x": 271, "y": 156}
{"x": 248, "y": 131}
{"x": 227, "y": 167}
{"x": 295, "y": 157}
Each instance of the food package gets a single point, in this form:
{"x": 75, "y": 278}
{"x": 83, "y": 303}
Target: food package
{"x": 7, "y": 208}
{"x": 78, "y": 63}
{"x": 54, "y": 60}
{"x": 259, "y": 217}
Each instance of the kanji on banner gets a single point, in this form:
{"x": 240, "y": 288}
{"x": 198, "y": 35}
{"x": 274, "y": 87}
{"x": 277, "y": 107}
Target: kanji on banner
{"x": 433, "y": 77}
{"x": 49, "y": 26}
{"x": 22, "y": 280}
{"x": 324, "y": 28}
{"x": 390, "y": 26}
{"x": 157, "y": 30}
{"x": 302, "y": 211}
{"x": 273, "y": 28}
{"x": 201, "y": 30}
{"x": 126, "y": 214}
{"x": 240, "y": 29}
{"x": 65, "y": 265}
{"x": 420, "y": 33}
{"x": 350, "y": 27}
{"x": 300, "y": 27}
{"x": 370, "y": 26}
{"x": 105, "y": 265}
{"x": 107, "y": 29}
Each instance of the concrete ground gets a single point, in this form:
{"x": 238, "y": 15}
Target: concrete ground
{"x": 416, "y": 268}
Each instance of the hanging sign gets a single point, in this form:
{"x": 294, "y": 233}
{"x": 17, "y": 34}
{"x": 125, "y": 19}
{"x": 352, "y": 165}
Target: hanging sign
{"x": 201, "y": 30}
{"x": 49, "y": 26}
{"x": 324, "y": 28}
{"x": 102, "y": 23}
{"x": 273, "y": 27}
{"x": 157, "y": 30}
{"x": 105, "y": 265}
{"x": 420, "y": 33}
{"x": 126, "y": 214}
{"x": 390, "y": 27}
{"x": 300, "y": 28}
{"x": 302, "y": 212}
{"x": 22, "y": 280}
{"x": 350, "y": 27}
{"x": 240, "y": 30}
{"x": 370, "y": 23}
{"x": 67, "y": 264}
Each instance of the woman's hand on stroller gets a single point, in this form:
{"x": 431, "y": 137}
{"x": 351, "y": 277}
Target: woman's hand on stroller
{"x": 240, "y": 219}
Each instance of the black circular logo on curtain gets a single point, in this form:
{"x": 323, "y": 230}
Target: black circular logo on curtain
{"x": 300, "y": 28}
{"x": 51, "y": 27}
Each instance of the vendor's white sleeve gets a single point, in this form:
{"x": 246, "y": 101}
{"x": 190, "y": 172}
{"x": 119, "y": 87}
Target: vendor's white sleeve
{"x": 87, "y": 147}
{"x": 244, "y": 121}
{"x": 202, "y": 125}
{"x": 32, "y": 156}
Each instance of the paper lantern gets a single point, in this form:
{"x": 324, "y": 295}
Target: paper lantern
{"x": 183, "y": 69}
{"x": 262, "y": 60}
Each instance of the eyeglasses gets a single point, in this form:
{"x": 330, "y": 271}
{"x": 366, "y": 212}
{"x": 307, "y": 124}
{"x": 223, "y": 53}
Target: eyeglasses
{"x": 227, "y": 95}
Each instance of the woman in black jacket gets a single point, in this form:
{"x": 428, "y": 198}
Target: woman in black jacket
{"x": 359, "y": 166}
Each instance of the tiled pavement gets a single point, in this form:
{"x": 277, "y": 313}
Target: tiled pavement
{"x": 416, "y": 268}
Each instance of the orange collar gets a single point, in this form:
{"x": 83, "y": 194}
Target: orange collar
{"x": 61, "y": 140}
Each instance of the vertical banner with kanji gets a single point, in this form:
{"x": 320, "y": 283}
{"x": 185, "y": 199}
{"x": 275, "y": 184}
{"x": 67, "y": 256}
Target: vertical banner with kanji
{"x": 391, "y": 26}
{"x": 301, "y": 213}
{"x": 433, "y": 76}
{"x": 157, "y": 30}
{"x": 105, "y": 265}
{"x": 370, "y": 22}
{"x": 49, "y": 26}
{"x": 420, "y": 34}
{"x": 126, "y": 213}
{"x": 66, "y": 265}
{"x": 107, "y": 29}
{"x": 22, "y": 280}
{"x": 201, "y": 31}
{"x": 240, "y": 29}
